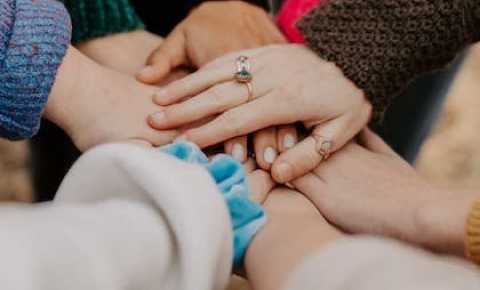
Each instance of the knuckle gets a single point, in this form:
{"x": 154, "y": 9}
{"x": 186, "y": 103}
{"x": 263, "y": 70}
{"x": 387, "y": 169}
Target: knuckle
{"x": 170, "y": 115}
{"x": 216, "y": 97}
{"x": 231, "y": 122}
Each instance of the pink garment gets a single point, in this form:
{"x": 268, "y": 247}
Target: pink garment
{"x": 290, "y": 13}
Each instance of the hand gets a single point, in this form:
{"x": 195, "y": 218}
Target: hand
{"x": 372, "y": 190}
{"x": 260, "y": 182}
{"x": 290, "y": 84}
{"x": 96, "y": 105}
{"x": 210, "y": 31}
{"x": 126, "y": 52}
{"x": 267, "y": 144}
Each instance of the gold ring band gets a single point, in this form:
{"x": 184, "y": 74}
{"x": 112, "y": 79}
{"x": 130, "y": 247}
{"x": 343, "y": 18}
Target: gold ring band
{"x": 250, "y": 91}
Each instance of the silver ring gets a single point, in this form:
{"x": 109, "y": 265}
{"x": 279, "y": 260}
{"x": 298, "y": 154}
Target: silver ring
{"x": 243, "y": 74}
{"x": 323, "y": 146}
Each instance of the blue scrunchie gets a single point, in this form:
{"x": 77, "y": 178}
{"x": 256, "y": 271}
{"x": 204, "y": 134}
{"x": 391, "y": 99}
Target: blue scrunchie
{"x": 247, "y": 217}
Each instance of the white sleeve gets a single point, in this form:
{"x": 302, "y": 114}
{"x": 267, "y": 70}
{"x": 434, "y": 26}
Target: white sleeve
{"x": 369, "y": 263}
{"x": 125, "y": 218}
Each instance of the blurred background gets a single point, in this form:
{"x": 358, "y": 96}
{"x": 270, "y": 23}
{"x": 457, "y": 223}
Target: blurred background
{"x": 451, "y": 156}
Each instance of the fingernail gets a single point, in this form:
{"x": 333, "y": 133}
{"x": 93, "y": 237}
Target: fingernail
{"x": 160, "y": 95}
{"x": 146, "y": 71}
{"x": 181, "y": 138}
{"x": 289, "y": 141}
{"x": 238, "y": 152}
{"x": 158, "y": 117}
{"x": 269, "y": 155}
{"x": 284, "y": 172}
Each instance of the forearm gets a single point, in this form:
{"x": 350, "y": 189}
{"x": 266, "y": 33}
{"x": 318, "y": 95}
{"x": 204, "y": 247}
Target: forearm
{"x": 289, "y": 237}
{"x": 123, "y": 52}
{"x": 441, "y": 224}
{"x": 365, "y": 263}
{"x": 76, "y": 77}
{"x": 383, "y": 45}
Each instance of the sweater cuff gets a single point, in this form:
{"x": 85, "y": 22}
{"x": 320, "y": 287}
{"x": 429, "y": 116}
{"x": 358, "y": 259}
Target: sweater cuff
{"x": 472, "y": 18}
{"x": 38, "y": 38}
{"x": 384, "y": 45}
{"x": 97, "y": 18}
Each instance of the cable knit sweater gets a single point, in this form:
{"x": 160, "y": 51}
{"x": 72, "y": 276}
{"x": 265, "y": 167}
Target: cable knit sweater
{"x": 34, "y": 37}
{"x": 382, "y": 45}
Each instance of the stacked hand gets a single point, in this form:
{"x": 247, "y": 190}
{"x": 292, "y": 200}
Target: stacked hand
{"x": 290, "y": 84}
{"x": 210, "y": 31}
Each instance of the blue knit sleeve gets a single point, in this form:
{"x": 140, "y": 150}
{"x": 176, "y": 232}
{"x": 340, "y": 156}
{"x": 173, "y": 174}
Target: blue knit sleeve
{"x": 34, "y": 37}
{"x": 246, "y": 217}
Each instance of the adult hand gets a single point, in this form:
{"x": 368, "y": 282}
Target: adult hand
{"x": 210, "y": 31}
{"x": 126, "y": 52}
{"x": 96, "y": 105}
{"x": 371, "y": 190}
{"x": 267, "y": 145}
{"x": 290, "y": 84}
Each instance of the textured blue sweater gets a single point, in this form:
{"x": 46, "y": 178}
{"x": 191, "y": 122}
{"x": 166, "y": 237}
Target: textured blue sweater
{"x": 34, "y": 37}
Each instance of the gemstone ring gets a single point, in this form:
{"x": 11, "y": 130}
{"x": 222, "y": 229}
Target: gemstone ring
{"x": 243, "y": 74}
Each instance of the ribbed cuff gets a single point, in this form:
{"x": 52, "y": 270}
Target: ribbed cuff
{"x": 382, "y": 46}
{"x": 472, "y": 239}
{"x": 38, "y": 39}
{"x": 97, "y": 18}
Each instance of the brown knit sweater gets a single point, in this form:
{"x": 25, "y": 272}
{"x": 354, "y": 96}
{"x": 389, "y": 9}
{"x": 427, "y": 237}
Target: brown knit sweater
{"x": 382, "y": 45}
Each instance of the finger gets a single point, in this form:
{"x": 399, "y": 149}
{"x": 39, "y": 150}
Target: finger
{"x": 261, "y": 184}
{"x": 139, "y": 142}
{"x": 243, "y": 120}
{"x": 309, "y": 185}
{"x": 192, "y": 85}
{"x": 215, "y": 100}
{"x": 305, "y": 156}
{"x": 265, "y": 146}
{"x": 287, "y": 137}
{"x": 218, "y": 71}
{"x": 169, "y": 55}
{"x": 374, "y": 143}
{"x": 250, "y": 165}
{"x": 159, "y": 138}
{"x": 237, "y": 148}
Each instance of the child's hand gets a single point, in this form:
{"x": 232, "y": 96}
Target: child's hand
{"x": 211, "y": 30}
{"x": 96, "y": 105}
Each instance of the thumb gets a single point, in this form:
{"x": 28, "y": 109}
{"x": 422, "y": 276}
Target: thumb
{"x": 170, "y": 54}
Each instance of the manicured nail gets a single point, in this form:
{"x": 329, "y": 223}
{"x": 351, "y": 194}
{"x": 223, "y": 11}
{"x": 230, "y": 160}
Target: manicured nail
{"x": 238, "y": 152}
{"x": 269, "y": 155}
{"x": 157, "y": 118}
{"x": 146, "y": 71}
{"x": 289, "y": 141}
{"x": 284, "y": 172}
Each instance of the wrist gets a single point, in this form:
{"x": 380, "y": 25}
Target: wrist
{"x": 74, "y": 87}
{"x": 440, "y": 222}
{"x": 63, "y": 89}
{"x": 294, "y": 231}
